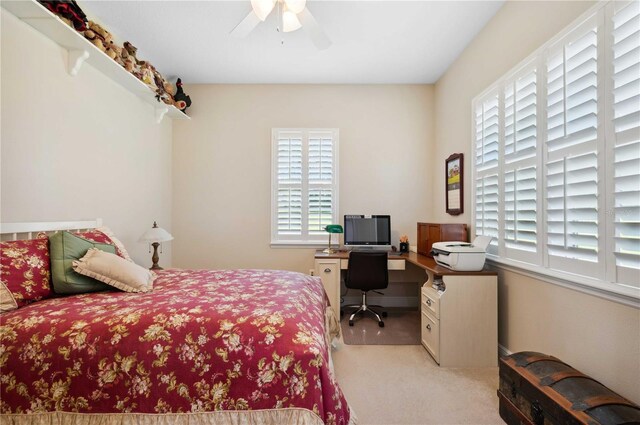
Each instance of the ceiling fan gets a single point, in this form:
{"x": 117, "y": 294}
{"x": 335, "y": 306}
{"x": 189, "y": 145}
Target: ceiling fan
{"x": 292, "y": 15}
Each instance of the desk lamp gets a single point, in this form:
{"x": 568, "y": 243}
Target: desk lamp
{"x": 332, "y": 228}
{"x": 155, "y": 236}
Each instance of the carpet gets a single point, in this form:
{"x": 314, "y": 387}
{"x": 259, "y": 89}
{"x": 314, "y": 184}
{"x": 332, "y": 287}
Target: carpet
{"x": 403, "y": 385}
{"x": 401, "y": 327}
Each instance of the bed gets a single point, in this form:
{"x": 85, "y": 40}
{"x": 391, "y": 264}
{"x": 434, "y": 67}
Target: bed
{"x": 204, "y": 347}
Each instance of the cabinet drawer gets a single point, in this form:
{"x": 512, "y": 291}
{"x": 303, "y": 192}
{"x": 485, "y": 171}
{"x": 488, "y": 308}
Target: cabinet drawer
{"x": 329, "y": 272}
{"x": 391, "y": 264}
{"x": 396, "y": 264}
{"x": 431, "y": 302}
{"x": 431, "y": 335}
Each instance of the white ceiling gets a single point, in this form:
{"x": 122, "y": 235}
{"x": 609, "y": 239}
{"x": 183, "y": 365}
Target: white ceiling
{"x": 374, "y": 42}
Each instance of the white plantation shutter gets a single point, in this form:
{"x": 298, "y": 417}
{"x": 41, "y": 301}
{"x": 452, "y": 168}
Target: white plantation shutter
{"x": 520, "y": 165}
{"x": 487, "y": 133}
{"x": 626, "y": 128}
{"x": 487, "y": 199}
{"x": 573, "y": 225}
{"x": 487, "y": 136}
{"x": 289, "y": 181}
{"x": 520, "y": 118}
{"x": 320, "y": 181}
{"x": 520, "y": 209}
{"x": 557, "y": 156}
{"x": 572, "y": 92}
{"x": 304, "y": 184}
{"x": 572, "y": 213}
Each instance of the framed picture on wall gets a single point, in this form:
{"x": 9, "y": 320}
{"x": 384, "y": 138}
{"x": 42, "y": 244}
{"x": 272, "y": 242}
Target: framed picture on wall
{"x": 454, "y": 184}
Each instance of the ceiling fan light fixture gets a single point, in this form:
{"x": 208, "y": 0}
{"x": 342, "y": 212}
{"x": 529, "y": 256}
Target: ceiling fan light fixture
{"x": 296, "y": 6}
{"x": 290, "y": 21}
{"x": 262, "y": 8}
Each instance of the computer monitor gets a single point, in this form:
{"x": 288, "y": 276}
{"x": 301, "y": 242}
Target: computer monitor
{"x": 367, "y": 232}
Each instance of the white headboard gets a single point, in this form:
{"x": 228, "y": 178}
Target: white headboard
{"x": 14, "y": 231}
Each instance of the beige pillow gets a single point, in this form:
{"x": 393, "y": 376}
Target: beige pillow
{"x": 7, "y": 301}
{"x": 115, "y": 271}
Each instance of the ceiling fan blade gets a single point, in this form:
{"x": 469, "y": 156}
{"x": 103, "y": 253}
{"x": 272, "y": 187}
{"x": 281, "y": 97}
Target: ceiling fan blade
{"x": 311, "y": 27}
{"x": 246, "y": 25}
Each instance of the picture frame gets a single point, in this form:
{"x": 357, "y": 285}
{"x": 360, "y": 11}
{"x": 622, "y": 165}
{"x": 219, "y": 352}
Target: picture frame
{"x": 454, "y": 184}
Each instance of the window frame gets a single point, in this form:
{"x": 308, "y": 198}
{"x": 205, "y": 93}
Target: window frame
{"x": 606, "y": 284}
{"x": 305, "y": 240}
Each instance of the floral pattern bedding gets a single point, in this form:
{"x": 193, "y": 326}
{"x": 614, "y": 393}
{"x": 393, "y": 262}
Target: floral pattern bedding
{"x": 201, "y": 341}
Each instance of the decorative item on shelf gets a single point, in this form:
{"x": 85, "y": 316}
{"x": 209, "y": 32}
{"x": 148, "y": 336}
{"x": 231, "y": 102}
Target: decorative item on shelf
{"x": 404, "y": 243}
{"x": 332, "y": 228}
{"x": 454, "y": 184}
{"x": 182, "y": 101}
{"x": 99, "y": 37}
{"x": 165, "y": 90}
{"x": 155, "y": 236}
{"x": 68, "y": 11}
{"x": 131, "y": 62}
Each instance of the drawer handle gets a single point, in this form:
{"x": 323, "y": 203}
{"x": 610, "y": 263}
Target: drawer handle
{"x": 327, "y": 270}
{"x": 429, "y": 327}
{"x": 428, "y": 302}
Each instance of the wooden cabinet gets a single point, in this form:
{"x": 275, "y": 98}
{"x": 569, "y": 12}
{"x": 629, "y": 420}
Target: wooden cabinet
{"x": 430, "y": 233}
{"x": 459, "y": 325}
{"x": 328, "y": 270}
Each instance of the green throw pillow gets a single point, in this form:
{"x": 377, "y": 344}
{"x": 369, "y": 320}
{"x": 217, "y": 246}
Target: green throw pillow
{"x": 64, "y": 248}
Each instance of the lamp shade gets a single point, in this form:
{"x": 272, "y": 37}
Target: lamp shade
{"x": 262, "y": 8}
{"x": 156, "y": 234}
{"x": 296, "y": 6}
{"x": 290, "y": 21}
{"x": 334, "y": 228}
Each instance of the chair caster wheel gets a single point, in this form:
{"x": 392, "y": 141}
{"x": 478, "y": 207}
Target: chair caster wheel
{"x": 384, "y": 314}
{"x": 381, "y": 324}
{"x": 350, "y": 322}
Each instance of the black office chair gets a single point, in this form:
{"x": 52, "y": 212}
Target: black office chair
{"x": 367, "y": 271}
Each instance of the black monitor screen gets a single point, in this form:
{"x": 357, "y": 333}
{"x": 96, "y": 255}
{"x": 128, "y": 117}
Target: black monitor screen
{"x": 367, "y": 230}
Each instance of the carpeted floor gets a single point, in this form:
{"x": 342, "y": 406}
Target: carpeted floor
{"x": 402, "y": 384}
{"x": 401, "y": 327}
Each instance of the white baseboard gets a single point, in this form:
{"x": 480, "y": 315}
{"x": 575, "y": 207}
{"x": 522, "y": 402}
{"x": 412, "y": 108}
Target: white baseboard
{"x": 385, "y": 301}
{"x": 503, "y": 351}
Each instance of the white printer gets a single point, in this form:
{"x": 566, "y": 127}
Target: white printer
{"x": 461, "y": 256}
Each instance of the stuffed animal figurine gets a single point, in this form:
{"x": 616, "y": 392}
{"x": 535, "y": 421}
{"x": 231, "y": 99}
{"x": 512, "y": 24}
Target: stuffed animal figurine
{"x": 69, "y": 12}
{"x": 165, "y": 91}
{"x": 132, "y": 64}
{"x": 115, "y": 52}
{"x": 148, "y": 78}
{"x": 100, "y": 37}
{"x": 182, "y": 101}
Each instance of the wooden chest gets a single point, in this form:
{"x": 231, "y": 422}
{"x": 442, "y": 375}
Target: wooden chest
{"x": 536, "y": 389}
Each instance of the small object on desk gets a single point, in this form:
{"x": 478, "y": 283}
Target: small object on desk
{"x": 404, "y": 243}
{"x": 461, "y": 256}
{"x": 438, "y": 285}
{"x": 332, "y": 228}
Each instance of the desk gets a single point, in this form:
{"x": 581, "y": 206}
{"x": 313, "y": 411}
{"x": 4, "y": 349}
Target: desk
{"x": 459, "y": 326}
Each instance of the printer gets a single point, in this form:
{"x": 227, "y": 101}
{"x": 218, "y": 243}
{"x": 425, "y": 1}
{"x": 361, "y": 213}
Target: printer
{"x": 461, "y": 256}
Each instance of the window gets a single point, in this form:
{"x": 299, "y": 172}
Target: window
{"x": 304, "y": 185}
{"x": 557, "y": 169}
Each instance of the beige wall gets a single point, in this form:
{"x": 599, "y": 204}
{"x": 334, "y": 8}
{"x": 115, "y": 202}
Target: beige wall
{"x": 78, "y": 147}
{"x": 222, "y": 163}
{"x": 599, "y": 337}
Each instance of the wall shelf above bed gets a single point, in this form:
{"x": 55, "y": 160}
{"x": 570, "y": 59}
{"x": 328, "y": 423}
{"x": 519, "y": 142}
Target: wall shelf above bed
{"x": 81, "y": 50}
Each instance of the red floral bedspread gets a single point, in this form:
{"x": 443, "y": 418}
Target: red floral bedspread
{"x": 201, "y": 341}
